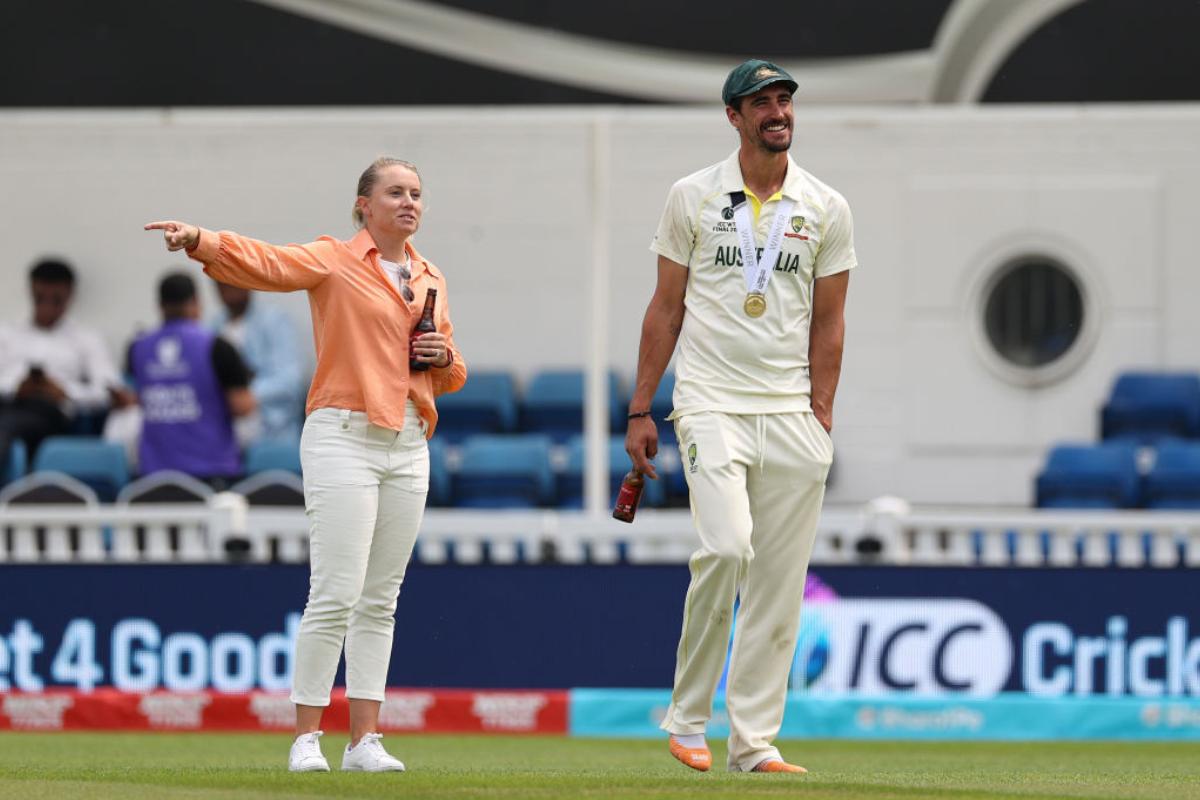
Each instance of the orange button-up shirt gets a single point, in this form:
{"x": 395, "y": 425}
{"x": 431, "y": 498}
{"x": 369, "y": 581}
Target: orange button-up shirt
{"x": 361, "y": 323}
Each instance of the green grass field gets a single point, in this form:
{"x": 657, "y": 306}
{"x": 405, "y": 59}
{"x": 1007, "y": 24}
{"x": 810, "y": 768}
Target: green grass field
{"x": 120, "y": 765}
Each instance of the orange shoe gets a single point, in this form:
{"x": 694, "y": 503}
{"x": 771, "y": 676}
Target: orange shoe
{"x": 698, "y": 758}
{"x": 775, "y": 765}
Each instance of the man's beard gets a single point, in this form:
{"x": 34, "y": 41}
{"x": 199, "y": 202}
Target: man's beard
{"x": 772, "y": 147}
{"x": 776, "y": 148}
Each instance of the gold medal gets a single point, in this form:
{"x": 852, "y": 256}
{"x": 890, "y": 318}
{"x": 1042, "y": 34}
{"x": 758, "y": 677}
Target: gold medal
{"x": 755, "y": 305}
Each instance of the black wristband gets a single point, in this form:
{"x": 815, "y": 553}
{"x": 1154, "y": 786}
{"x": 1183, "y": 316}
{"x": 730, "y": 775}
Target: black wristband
{"x": 637, "y": 414}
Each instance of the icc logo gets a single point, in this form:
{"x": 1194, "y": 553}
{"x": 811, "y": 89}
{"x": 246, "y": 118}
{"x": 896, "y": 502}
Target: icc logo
{"x": 926, "y": 647}
{"x": 168, "y": 351}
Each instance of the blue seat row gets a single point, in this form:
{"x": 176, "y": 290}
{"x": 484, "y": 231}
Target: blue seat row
{"x": 489, "y": 470}
{"x": 552, "y": 404}
{"x": 16, "y": 464}
{"x": 1146, "y": 406}
{"x": 516, "y": 471}
{"x": 99, "y": 464}
{"x": 1108, "y": 476}
{"x": 103, "y": 467}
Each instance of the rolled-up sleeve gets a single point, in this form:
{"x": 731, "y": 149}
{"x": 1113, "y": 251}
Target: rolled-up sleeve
{"x": 452, "y": 378}
{"x": 241, "y": 261}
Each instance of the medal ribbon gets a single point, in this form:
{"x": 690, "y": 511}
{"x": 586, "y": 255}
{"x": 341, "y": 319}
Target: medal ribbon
{"x": 758, "y": 271}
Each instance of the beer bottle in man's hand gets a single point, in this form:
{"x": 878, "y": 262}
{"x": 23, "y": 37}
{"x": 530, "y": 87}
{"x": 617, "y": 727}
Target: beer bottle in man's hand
{"x": 425, "y": 325}
{"x": 629, "y": 496}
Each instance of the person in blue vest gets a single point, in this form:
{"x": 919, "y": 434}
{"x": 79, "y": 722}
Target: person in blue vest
{"x": 191, "y": 385}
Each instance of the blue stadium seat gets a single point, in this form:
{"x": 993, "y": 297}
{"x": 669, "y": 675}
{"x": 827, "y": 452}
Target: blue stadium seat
{"x": 1174, "y": 481}
{"x": 262, "y": 456}
{"x": 676, "y": 481}
{"x": 439, "y": 477}
{"x": 504, "y": 472}
{"x": 661, "y": 407}
{"x": 570, "y": 481}
{"x": 98, "y": 464}
{"x": 1152, "y": 405}
{"x": 486, "y": 404}
{"x": 16, "y": 463}
{"x": 553, "y": 404}
{"x": 1090, "y": 476}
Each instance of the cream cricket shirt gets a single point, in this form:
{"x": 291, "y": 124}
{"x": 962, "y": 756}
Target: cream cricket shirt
{"x": 728, "y": 361}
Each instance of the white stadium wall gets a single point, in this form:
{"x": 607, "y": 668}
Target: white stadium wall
{"x": 939, "y": 197}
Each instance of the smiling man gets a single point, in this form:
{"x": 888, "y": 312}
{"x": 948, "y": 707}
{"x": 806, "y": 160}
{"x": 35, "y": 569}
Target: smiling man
{"x": 754, "y": 256}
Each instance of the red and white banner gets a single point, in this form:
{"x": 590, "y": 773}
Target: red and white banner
{"x": 404, "y": 710}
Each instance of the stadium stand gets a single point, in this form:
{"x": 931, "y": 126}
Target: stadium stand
{"x": 52, "y": 540}
{"x": 1174, "y": 481}
{"x": 99, "y": 464}
{"x": 273, "y": 487}
{"x": 660, "y": 408}
{"x": 504, "y": 472}
{"x": 439, "y": 474}
{"x": 554, "y": 400}
{"x": 274, "y": 505}
{"x": 269, "y": 455}
{"x": 487, "y": 404}
{"x": 16, "y": 464}
{"x": 48, "y": 488}
{"x": 1146, "y": 406}
{"x": 1090, "y": 476}
{"x": 162, "y": 539}
{"x": 570, "y": 480}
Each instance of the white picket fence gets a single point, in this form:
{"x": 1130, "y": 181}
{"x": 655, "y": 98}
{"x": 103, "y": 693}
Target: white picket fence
{"x": 882, "y": 532}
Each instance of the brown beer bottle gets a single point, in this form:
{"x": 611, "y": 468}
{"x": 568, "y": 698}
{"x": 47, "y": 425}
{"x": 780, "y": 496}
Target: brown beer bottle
{"x": 629, "y": 496}
{"x": 424, "y": 325}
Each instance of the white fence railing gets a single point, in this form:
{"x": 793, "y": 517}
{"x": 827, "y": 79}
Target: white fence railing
{"x": 882, "y": 532}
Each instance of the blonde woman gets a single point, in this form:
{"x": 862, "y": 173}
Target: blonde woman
{"x": 363, "y": 448}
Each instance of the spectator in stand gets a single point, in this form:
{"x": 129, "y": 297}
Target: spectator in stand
{"x": 192, "y": 384}
{"x": 266, "y": 339}
{"x": 51, "y": 369}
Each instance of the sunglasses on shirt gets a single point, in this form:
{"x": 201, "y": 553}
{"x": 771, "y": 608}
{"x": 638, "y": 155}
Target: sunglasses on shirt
{"x": 405, "y": 276}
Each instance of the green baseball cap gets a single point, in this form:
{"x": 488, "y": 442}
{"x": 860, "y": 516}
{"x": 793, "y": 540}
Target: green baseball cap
{"x": 750, "y": 76}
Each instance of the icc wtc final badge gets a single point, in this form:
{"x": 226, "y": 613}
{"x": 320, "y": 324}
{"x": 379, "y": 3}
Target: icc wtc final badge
{"x": 755, "y": 305}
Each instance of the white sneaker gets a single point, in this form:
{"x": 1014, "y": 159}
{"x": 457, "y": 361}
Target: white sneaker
{"x": 369, "y": 756}
{"x": 306, "y": 754}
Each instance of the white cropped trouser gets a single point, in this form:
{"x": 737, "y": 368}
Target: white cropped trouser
{"x": 756, "y": 484}
{"x": 364, "y": 491}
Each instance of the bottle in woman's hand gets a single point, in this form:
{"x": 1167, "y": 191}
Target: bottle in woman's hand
{"x": 424, "y": 325}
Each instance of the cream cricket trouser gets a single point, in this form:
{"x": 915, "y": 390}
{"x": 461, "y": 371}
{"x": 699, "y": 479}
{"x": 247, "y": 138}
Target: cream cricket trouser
{"x": 364, "y": 490}
{"x": 756, "y": 484}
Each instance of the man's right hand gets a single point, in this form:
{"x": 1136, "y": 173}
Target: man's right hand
{"x": 177, "y": 235}
{"x": 641, "y": 443}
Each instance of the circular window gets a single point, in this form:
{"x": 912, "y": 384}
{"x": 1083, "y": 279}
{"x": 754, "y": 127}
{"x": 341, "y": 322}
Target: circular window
{"x": 1033, "y": 313}
{"x": 1036, "y": 318}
